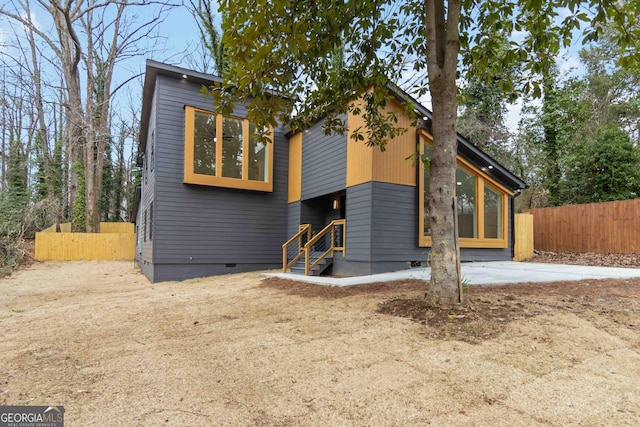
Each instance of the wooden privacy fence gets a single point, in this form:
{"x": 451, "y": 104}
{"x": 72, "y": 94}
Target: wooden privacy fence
{"x": 116, "y": 241}
{"x": 523, "y": 229}
{"x": 610, "y": 227}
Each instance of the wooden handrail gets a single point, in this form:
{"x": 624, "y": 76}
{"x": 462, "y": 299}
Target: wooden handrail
{"x": 332, "y": 248}
{"x": 305, "y": 250}
{"x": 302, "y": 230}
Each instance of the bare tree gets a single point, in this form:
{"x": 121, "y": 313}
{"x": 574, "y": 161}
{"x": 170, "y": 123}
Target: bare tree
{"x": 88, "y": 41}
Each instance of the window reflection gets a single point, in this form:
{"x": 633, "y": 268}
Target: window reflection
{"x": 204, "y": 144}
{"x": 466, "y": 201}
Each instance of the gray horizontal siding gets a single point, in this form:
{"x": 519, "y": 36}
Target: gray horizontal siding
{"x": 311, "y": 214}
{"x": 359, "y": 222}
{"x": 395, "y": 223}
{"x": 382, "y": 230}
{"x": 324, "y": 162}
{"x": 293, "y": 221}
{"x": 145, "y": 254}
{"x": 209, "y": 226}
{"x": 488, "y": 254}
{"x": 181, "y": 271}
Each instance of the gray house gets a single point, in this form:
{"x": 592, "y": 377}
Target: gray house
{"x": 215, "y": 200}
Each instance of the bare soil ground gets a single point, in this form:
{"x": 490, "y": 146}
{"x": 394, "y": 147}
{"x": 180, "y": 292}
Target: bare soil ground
{"x": 236, "y": 350}
{"x": 589, "y": 258}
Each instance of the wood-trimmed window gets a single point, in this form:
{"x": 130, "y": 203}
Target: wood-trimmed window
{"x": 225, "y": 151}
{"x": 482, "y": 205}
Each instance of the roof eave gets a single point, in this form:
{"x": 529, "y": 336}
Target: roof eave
{"x": 155, "y": 68}
{"x": 482, "y": 159}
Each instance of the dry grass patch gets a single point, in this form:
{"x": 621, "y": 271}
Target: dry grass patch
{"x": 235, "y": 350}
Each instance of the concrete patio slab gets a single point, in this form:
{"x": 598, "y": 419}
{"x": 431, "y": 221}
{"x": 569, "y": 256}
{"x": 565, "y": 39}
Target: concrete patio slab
{"x": 482, "y": 273}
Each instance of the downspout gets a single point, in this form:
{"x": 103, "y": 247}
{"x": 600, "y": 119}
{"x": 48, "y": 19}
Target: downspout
{"x": 512, "y": 220}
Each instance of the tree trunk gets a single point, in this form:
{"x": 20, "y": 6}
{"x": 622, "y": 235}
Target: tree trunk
{"x": 443, "y": 289}
{"x": 3, "y": 147}
{"x": 49, "y": 176}
{"x": 119, "y": 177}
{"x": 69, "y": 55}
{"x": 443, "y": 46}
{"x": 549, "y": 122}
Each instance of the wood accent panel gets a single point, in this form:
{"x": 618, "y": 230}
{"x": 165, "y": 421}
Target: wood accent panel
{"x": 523, "y": 230}
{"x": 609, "y": 227}
{"x": 366, "y": 164}
{"x": 359, "y": 156}
{"x": 295, "y": 167}
{"x": 85, "y": 246}
{"x": 392, "y": 165}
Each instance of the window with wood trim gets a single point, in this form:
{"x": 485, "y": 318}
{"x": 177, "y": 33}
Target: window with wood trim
{"x": 226, "y": 152}
{"x": 482, "y": 205}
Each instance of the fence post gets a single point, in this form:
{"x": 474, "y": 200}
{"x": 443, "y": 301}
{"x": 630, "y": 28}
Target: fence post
{"x": 523, "y": 230}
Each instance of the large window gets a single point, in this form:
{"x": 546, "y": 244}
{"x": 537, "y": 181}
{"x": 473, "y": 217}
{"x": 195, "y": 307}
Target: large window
{"x": 466, "y": 198}
{"x": 226, "y": 152}
{"x": 426, "y": 222}
{"x": 481, "y": 206}
{"x": 492, "y": 213}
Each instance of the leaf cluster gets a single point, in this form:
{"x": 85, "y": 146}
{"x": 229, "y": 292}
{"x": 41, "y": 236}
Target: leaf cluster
{"x": 305, "y": 59}
{"x": 294, "y": 62}
{"x": 538, "y": 31}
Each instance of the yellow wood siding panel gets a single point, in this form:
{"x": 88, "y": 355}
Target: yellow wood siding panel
{"x": 359, "y": 156}
{"x": 295, "y": 167}
{"x": 392, "y": 165}
{"x": 85, "y": 246}
{"x": 365, "y": 164}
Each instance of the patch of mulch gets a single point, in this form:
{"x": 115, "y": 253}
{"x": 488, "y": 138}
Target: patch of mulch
{"x": 310, "y": 290}
{"x": 487, "y": 310}
{"x": 587, "y": 258}
{"x": 476, "y": 320}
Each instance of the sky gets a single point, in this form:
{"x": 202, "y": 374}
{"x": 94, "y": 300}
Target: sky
{"x": 180, "y": 34}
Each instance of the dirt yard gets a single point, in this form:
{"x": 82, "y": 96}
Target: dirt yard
{"x": 97, "y": 338}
